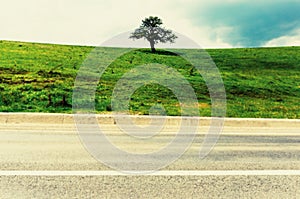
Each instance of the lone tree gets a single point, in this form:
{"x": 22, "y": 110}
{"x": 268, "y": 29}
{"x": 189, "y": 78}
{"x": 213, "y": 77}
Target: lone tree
{"x": 152, "y": 31}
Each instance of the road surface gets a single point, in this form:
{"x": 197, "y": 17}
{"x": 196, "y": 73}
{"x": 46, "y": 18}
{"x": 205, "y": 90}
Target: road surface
{"x": 41, "y": 156}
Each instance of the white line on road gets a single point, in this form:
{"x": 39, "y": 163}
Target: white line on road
{"x": 157, "y": 173}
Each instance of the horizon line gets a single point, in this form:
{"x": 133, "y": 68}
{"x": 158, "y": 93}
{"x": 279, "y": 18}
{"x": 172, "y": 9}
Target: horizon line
{"x": 95, "y": 46}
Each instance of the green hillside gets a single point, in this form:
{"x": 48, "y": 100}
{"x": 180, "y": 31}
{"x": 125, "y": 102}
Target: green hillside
{"x": 259, "y": 82}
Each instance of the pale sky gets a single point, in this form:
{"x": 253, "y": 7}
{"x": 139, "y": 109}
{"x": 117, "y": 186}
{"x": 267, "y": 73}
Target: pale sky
{"x": 210, "y": 23}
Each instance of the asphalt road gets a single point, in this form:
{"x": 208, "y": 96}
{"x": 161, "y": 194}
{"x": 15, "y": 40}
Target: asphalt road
{"x": 40, "y": 144}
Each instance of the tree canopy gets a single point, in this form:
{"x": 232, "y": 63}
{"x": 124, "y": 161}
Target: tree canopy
{"x": 152, "y": 31}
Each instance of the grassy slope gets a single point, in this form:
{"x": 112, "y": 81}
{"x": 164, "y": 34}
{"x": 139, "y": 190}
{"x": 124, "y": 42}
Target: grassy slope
{"x": 262, "y": 82}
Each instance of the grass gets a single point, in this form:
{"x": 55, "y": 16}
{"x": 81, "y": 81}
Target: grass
{"x": 259, "y": 82}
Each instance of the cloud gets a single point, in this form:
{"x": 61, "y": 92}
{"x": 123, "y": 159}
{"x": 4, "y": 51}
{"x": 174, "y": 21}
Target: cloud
{"x": 91, "y": 22}
{"x": 288, "y": 40}
{"x": 212, "y": 24}
{"x": 70, "y": 21}
{"x": 251, "y": 23}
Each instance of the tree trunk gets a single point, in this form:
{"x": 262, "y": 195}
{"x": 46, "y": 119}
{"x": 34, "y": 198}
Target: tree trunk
{"x": 152, "y": 46}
